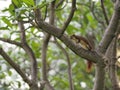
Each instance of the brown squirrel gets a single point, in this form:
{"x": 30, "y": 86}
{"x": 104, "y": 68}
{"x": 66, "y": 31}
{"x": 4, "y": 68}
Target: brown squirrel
{"x": 85, "y": 45}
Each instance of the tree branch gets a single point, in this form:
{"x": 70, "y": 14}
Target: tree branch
{"x": 69, "y": 65}
{"x": 11, "y": 42}
{"x": 65, "y": 25}
{"x": 104, "y": 12}
{"x": 48, "y": 86}
{"x": 94, "y": 15}
{"x": 111, "y": 54}
{"x": 29, "y": 52}
{"x": 59, "y": 3}
{"x": 44, "y": 62}
{"x": 15, "y": 66}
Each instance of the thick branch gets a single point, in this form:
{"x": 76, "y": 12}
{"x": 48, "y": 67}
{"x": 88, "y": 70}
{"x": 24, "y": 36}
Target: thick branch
{"x": 111, "y": 29}
{"x": 70, "y": 16}
{"x": 11, "y": 42}
{"x": 15, "y": 66}
{"x": 29, "y": 52}
{"x": 49, "y": 28}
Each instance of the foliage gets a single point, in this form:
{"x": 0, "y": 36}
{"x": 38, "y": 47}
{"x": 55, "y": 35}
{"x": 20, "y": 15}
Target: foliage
{"x": 84, "y": 21}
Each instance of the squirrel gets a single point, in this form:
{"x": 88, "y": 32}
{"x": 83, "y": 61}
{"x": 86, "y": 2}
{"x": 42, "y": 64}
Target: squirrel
{"x": 84, "y": 43}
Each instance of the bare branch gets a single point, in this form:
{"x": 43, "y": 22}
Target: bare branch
{"x": 69, "y": 65}
{"x": 29, "y": 53}
{"x": 104, "y": 12}
{"x": 15, "y": 66}
{"x": 70, "y": 16}
{"x": 11, "y": 42}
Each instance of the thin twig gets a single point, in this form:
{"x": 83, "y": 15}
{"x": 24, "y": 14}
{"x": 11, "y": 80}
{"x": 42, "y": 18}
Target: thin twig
{"x": 69, "y": 17}
{"x": 59, "y": 3}
{"x": 104, "y": 12}
{"x": 61, "y": 8}
{"x": 94, "y": 15}
{"x": 46, "y": 11}
{"x": 15, "y": 66}
{"x": 69, "y": 65}
{"x": 11, "y": 42}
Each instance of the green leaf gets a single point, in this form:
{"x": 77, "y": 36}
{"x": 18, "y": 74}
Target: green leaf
{"x": 6, "y": 21}
{"x": 72, "y": 29}
{"x": 17, "y": 3}
{"x": 19, "y": 84}
{"x": 43, "y": 3}
{"x": 28, "y": 2}
{"x": 3, "y": 28}
{"x": 9, "y": 73}
{"x": 2, "y": 75}
{"x": 12, "y": 9}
